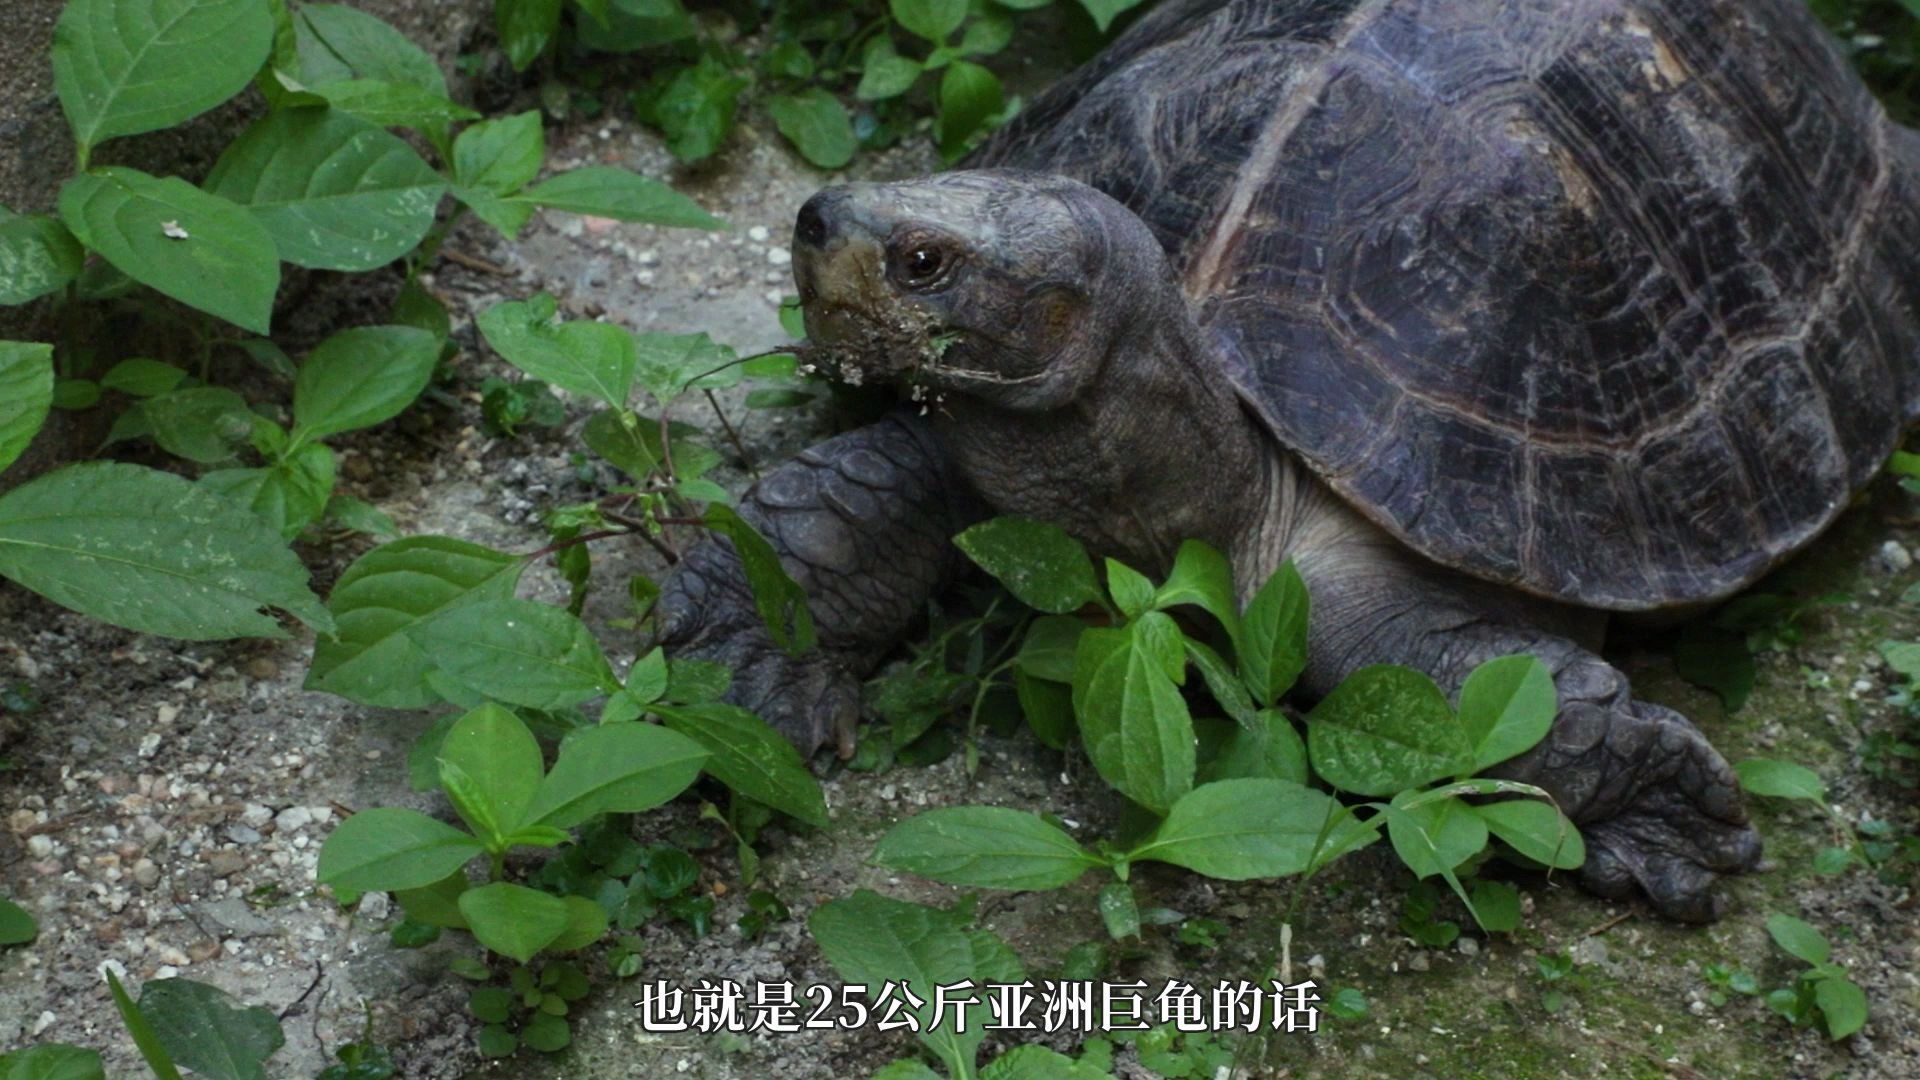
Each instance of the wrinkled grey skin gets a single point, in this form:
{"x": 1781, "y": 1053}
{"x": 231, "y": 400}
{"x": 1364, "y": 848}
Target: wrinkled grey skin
{"x": 1064, "y": 379}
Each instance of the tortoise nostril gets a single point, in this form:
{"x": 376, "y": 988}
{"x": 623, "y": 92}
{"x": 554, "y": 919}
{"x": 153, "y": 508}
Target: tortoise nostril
{"x": 813, "y": 226}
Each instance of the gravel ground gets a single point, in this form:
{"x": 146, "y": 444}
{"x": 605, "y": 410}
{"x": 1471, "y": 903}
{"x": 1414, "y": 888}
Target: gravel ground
{"x": 165, "y": 804}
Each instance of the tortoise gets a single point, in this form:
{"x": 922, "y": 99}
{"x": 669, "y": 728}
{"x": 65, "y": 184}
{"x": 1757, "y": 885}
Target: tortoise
{"x": 1494, "y": 316}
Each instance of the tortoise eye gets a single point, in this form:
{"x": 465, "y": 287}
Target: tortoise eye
{"x": 923, "y": 263}
{"x": 920, "y": 264}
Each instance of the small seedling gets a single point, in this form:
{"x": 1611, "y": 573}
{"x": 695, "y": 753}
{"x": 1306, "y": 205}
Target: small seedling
{"x": 1823, "y": 990}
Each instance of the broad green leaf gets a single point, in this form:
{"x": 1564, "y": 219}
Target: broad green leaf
{"x": 1780, "y": 780}
{"x": 1047, "y": 652}
{"x": 885, "y": 73}
{"x": 389, "y": 848}
{"x": 1131, "y": 591}
{"x": 1798, "y": 938}
{"x": 513, "y": 920}
{"x": 209, "y": 1032}
{"x": 16, "y": 925}
{"x": 1048, "y": 707}
{"x": 987, "y": 34}
{"x": 142, "y": 378}
{"x": 170, "y": 236}
{"x": 872, "y": 940}
{"x": 933, "y": 20}
{"x": 496, "y": 768}
{"x": 361, "y": 377}
{"x": 591, "y": 358}
{"x": 1222, "y": 682}
{"x": 1105, "y": 11}
{"x": 1842, "y": 1004}
{"x": 26, "y": 393}
{"x": 1535, "y": 829}
{"x": 437, "y": 904}
{"x": 38, "y": 256}
{"x": 1033, "y": 1062}
{"x": 1273, "y": 636}
{"x": 1039, "y": 563}
{"x": 669, "y": 365}
{"x": 1383, "y": 730}
{"x": 1237, "y": 830}
{"x": 987, "y": 847}
{"x": 1506, "y": 706}
{"x": 337, "y": 43}
{"x": 52, "y": 1061}
{"x": 1203, "y": 577}
{"x": 780, "y": 600}
{"x": 518, "y": 651}
{"x": 622, "y": 194}
{"x": 525, "y": 28}
{"x": 150, "y": 551}
{"x": 392, "y": 104}
{"x": 152, "y": 1051}
{"x": 288, "y": 495}
{"x": 201, "y": 423}
{"x": 1496, "y": 905}
{"x": 122, "y": 67}
{"x": 1133, "y": 721}
{"x": 1118, "y": 910}
{"x": 360, "y": 516}
{"x": 390, "y": 589}
{"x": 500, "y": 156}
{"x": 904, "y": 1069}
{"x": 970, "y": 95}
{"x": 1902, "y": 656}
{"x": 750, "y": 757}
{"x": 615, "y": 768}
{"x": 1435, "y": 837}
{"x": 335, "y": 192}
{"x": 586, "y": 924}
{"x": 1267, "y": 748}
{"x": 815, "y": 122}
{"x": 696, "y": 108}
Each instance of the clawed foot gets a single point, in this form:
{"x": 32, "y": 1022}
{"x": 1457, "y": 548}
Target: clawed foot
{"x": 1658, "y": 807}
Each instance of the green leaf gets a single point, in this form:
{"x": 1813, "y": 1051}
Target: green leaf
{"x": 885, "y": 73}
{"x": 970, "y": 95}
{"x": 38, "y": 256}
{"x": 52, "y": 1061}
{"x": 142, "y": 378}
{"x": 1222, "y": 683}
{"x": 1798, "y": 938}
{"x": 696, "y": 108}
{"x": 518, "y": 651}
{"x": 150, "y": 551}
{"x": 144, "y": 1037}
{"x": 201, "y": 423}
{"x": 1032, "y": 1062}
{"x": 490, "y": 766}
{"x": 1042, "y": 566}
{"x": 389, "y": 848}
{"x": 985, "y": 847}
{"x": 1269, "y": 748}
{"x": 1384, "y": 729}
{"x": 1506, "y": 706}
{"x": 1716, "y": 659}
{"x": 546, "y": 1033}
{"x": 1538, "y": 831}
{"x": 397, "y": 586}
{"x": 905, "y": 1070}
{"x": 872, "y": 940}
{"x": 933, "y": 20}
{"x": 1105, "y": 11}
{"x": 525, "y": 28}
{"x": 288, "y": 495}
{"x": 781, "y": 602}
{"x": 360, "y": 516}
{"x": 179, "y": 241}
{"x": 392, "y": 104}
{"x": 335, "y": 192}
{"x": 1273, "y": 636}
{"x": 513, "y": 920}
{"x": 987, "y": 34}
{"x": 1203, "y": 577}
{"x": 815, "y": 122}
{"x": 437, "y": 904}
{"x": 1132, "y": 719}
{"x": 1131, "y": 591}
{"x": 1048, "y": 707}
{"x": 1119, "y": 911}
{"x": 501, "y": 156}
{"x": 750, "y": 758}
{"x": 1496, "y": 905}
{"x": 1780, "y": 780}
{"x": 1047, "y": 652}
{"x": 338, "y": 43}
{"x": 586, "y": 924}
{"x": 669, "y": 365}
{"x": 122, "y": 67}
{"x": 361, "y": 377}
{"x": 615, "y": 768}
{"x": 605, "y": 191}
{"x": 1842, "y": 1004}
{"x": 591, "y": 358}
{"x": 1435, "y": 837}
{"x": 1237, "y": 830}
{"x": 16, "y": 925}
{"x": 209, "y": 1032}
{"x": 26, "y": 393}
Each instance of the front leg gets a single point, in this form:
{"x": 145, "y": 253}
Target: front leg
{"x": 1658, "y": 807}
{"x": 864, "y": 523}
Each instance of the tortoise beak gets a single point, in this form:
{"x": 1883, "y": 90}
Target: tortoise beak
{"x": 839, "y": 269}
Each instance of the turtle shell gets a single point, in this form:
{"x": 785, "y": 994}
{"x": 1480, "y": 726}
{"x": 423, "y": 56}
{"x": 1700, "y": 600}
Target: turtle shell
{"x": 1616, "y": 301}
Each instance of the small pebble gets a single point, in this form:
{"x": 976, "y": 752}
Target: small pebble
{"x": 779, "y": 256}
{"x": 292, "y": 819}
{"x": 146, "y": 873}
{"x": 1894, "y": 557}
{"x": 758, "y": 234}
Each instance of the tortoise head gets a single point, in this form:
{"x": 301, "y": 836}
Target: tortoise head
{"x": 1001, "y": 285}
